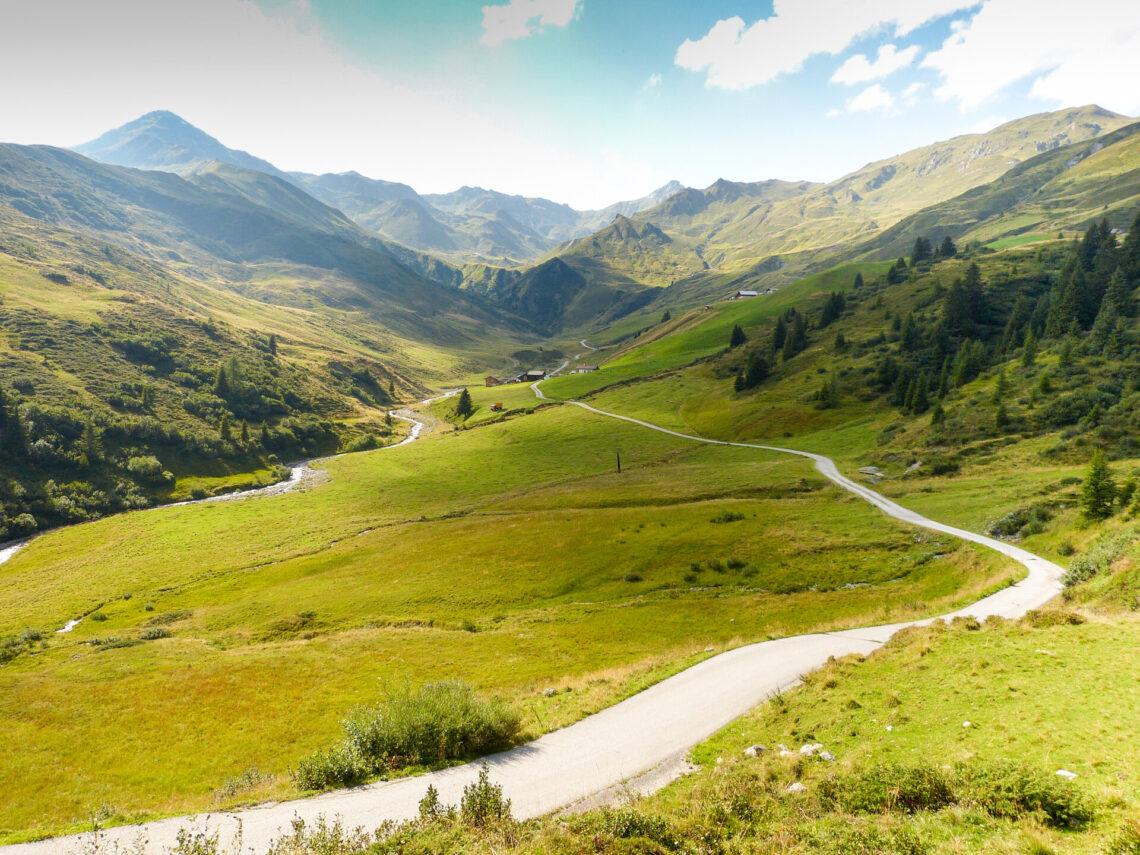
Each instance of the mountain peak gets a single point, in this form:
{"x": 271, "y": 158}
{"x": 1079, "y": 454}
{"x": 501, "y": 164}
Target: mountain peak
{"x": 164, "y": 141}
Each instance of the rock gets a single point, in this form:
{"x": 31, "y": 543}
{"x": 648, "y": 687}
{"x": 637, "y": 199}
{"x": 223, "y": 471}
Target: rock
{"x": 827, "y": 756}
{"x": 709, "y": 649}
{"x": 755, "y": 750}
{"x": 809, "y": 749}
{"x": 966, "y": 724}
{"x": 796, "y": 787}
{"x": 549, "y": 693}
{"x": 1065, "y": 773}
{"x": 786, "y": 753}
{"x": 890, "y": 727}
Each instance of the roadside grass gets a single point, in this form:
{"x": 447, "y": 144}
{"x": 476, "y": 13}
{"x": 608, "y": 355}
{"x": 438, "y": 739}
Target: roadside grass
{"x": 498, "y": 556}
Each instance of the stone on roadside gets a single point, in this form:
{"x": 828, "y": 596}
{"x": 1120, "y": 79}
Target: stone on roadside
{"x": 827, "y": 756}
{"x": 549, "y": 693}
{"x": 1065, "y": 773}
{"x": 810, "y": 749}
{"x": 796, "y": 787}
{"x": 755, "y": 750}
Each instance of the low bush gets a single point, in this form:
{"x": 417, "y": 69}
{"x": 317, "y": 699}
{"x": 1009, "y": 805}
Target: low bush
{"x": 727, "y": 517}
{"x": 890, "y": 788}
{"x": 155, "y": 632}
{"x": 437, "y": 722}
{"x": 1006, "y": 789}
{"x": 483, "y": 803}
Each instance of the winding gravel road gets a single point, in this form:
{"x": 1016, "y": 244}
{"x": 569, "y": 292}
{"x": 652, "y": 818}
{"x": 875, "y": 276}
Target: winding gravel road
{"x": 642, "y": 740}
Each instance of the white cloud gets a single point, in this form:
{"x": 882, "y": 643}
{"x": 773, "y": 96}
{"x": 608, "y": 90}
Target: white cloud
{"x": 271, "y": 84}
{"x": 653, "y": 82}
{"x": 858, "y": 69}
{"x": 1074, "y": 55}
{"x": 739, "y": 56}
{"x": 911, "y": 94}
{"x": 521, "y": 18}
{"x": 874, "y": 97}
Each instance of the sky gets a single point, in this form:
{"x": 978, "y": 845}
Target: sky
{"x": 585, "y": 102}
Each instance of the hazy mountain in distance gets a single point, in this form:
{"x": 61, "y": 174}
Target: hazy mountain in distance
{"x": 161, "y": 140}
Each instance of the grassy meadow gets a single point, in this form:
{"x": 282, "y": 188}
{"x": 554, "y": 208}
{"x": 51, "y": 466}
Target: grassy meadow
{"x": 512, "y": 556}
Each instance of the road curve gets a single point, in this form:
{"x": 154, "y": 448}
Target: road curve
{"x": 620, "y": 743}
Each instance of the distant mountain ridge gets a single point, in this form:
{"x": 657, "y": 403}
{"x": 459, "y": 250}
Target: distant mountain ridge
{"x": 467, "y": 225}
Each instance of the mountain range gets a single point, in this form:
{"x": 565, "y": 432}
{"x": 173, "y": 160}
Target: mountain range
{"x": 468, "y": 225}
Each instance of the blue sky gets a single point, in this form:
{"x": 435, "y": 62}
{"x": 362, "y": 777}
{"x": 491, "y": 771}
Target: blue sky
{"x": 581, "y": 101}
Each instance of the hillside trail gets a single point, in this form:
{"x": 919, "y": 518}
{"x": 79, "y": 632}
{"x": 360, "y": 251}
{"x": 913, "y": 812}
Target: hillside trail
{"x": 637, "y": 745}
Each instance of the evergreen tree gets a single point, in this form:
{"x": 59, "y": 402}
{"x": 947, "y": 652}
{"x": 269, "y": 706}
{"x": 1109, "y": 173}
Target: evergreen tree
{"x": 464, "y": 408}
{"x": 224, "y": 427}
{"x": 922, "y": 251}
{"x": 840, "y": 342}
{"x": 738, "y": 383}
{"x": 1001, "y": 417}
{"x": 666, "y": 316}
{"x": 273, "y": 343}
{"x": 92, "y": 447}
{"x": 1099, "y": 489}
{"x": 832, "y": 309}
{"x": 1119, "y": 296}
{"x": 11, "y": 428}
{"x": 737, "y": 338}
{"x": 264, "y": 433}
{"x": 1104, "y": 327}
{"x": 756, "y": 372}
{"x": 947, "y": 249}
{"x": 221, "y": 382}
{"x": 911, "y": 337}
{"x": 780, "y": 334}
{"x": 1029, "y": 352}
{"x": 937, "y": 415}
{"x": 1001, "y": 389}
{"x": 858, "y": 282}
{"x": 244, "y": 432}
{"x": 1130, "y": 253}
{"x": 921, "y": 402}
{"x": 944, "y": 379}
{"x": 392, "y": 390}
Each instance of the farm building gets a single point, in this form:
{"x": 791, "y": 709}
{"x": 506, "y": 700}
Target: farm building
{"x": 743, "y": 295}
{"x": 585, "y": 369}
{"x": 492, "y": 381}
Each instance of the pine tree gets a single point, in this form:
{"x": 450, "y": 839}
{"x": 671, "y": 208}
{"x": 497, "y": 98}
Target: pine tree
{"x": 947, "y": 249}
{"x": 1130, "y": 253}
{"x": 1119, "y": 296}
{"x": 840, "y": 342}
{"x": 921, "y": 402}
{"x": 221, "y": 382}
{"x": 1029, "y": 352}
{"x": 937, "y": 415}
{"x": 92, "y": 448}
{"x": 666, "y": 316}
{"x": 756, "y": 372}
{"x": 944, "y": 379}
{"x": 1001, "y": 389}
{"x": 464, "y": 408}
{"x": 244, "y": 432}
{"x": 858, "y": 282}
{"x": 921, "y": 252}
{"x": 779, "y": 334}
{"x": 264, "y": 433}
{"x": 273, "y": 343}
{"x": 737, "y": 338}
{"x": 224, "y": 428}
{"x": 1099, "y": 489}
{"x": 1001, "y": 417}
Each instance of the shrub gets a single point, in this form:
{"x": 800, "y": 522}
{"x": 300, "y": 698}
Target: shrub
{"x": 727, "y": 517}
{"x": 628, "y": 824}
{"x": 1005, "y": 789}
{"x": 325, "y": 770}
{"x": 735, "y": 563}
{"x": 437, "y": 722}
{"x": 154, "y": 633}
{"x": 483, "y": 803}
{"x": 890, "y": 788}
{"x": 632, "y": 577}
{"x": 98, "y": 616}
